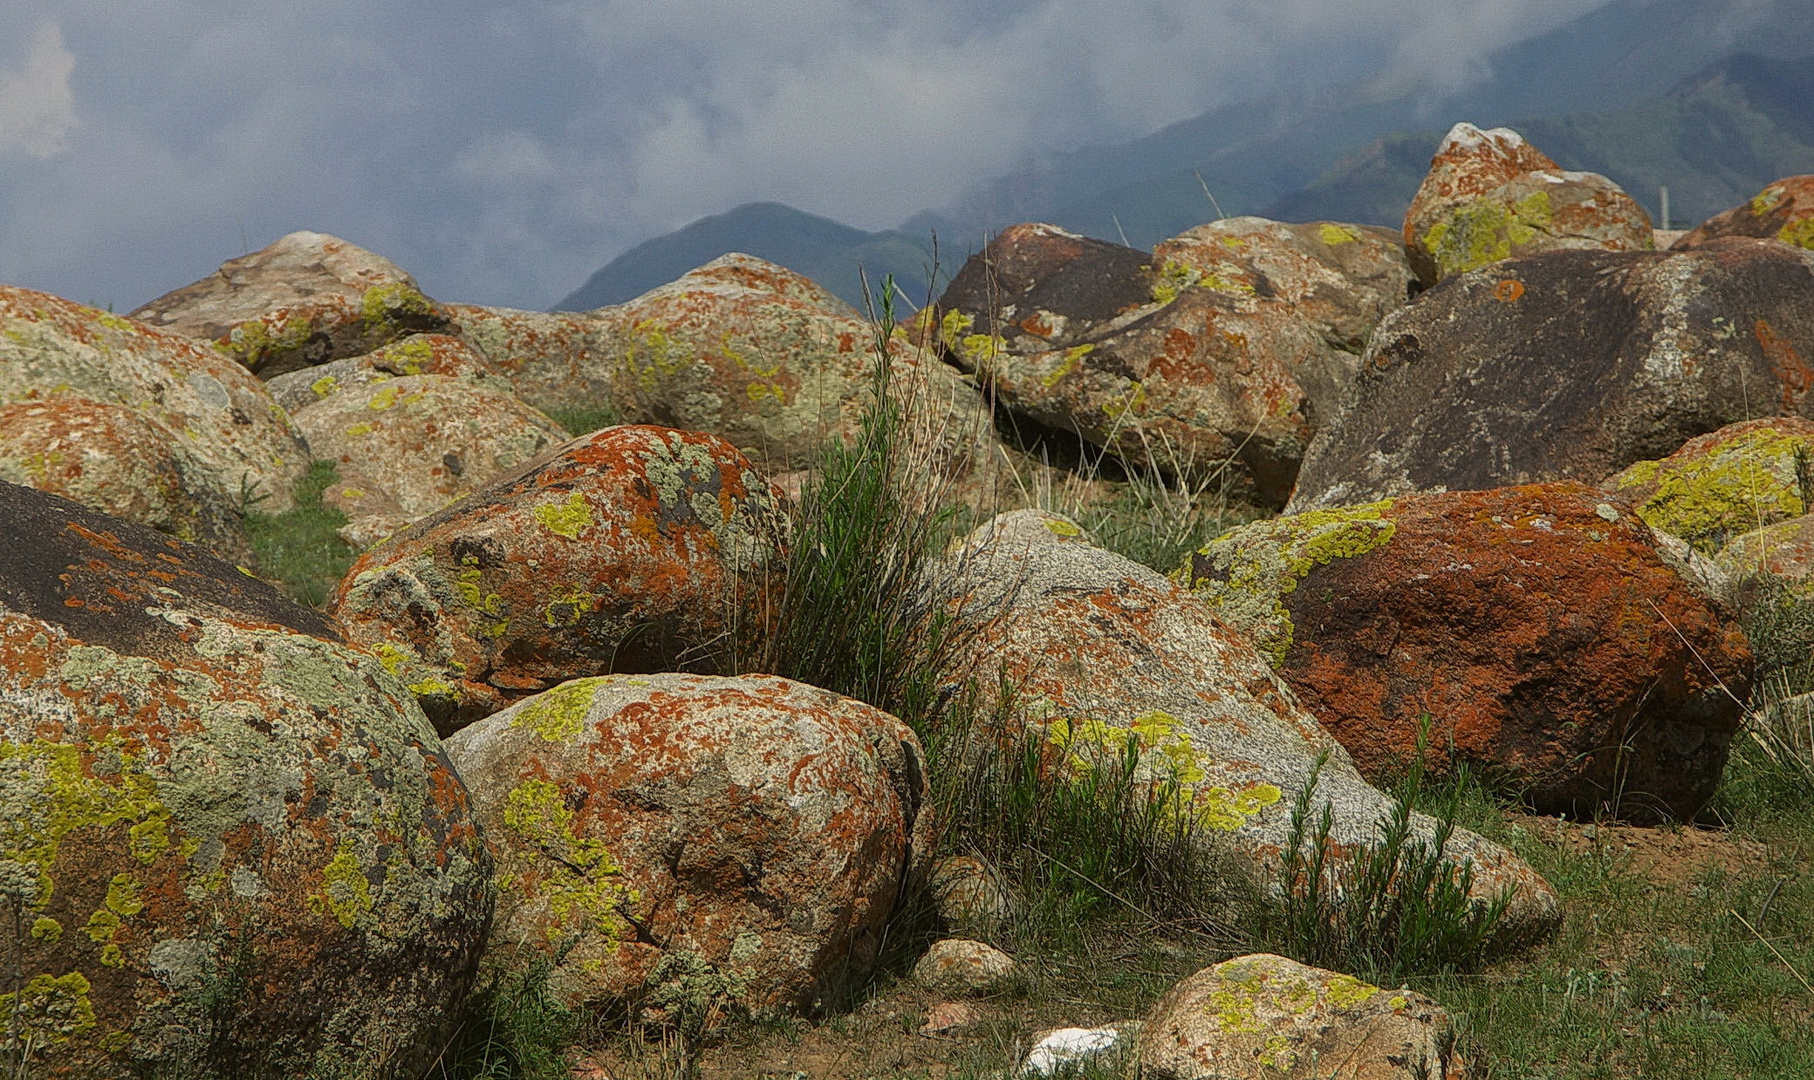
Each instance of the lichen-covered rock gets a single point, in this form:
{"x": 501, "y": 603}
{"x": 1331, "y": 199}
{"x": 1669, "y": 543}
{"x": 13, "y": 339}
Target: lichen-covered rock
{"x": 968, "y": 894}
{"x": 777, "y": 366}
{"x": 123, "y": 463}
{"x": 232, "y": 438}
{"x": 695, "y": 843}
{"x": 1225, "y": 345}
{"x": 1106, "y": 656}
{"x": 205, "y": 792}
{"x": 1490, "y": 196}
{"x": 1781, "y": 554}
{"x": 960, "y": 966}
{"x": 1782, "y": 211}
{"x": 630, "y": 549}
{"x": 1731, "y": 481}
{"x": 1538, "y": 628}
{"x": 1568, "y": 365}
{"x": 1263, "y": 1017}
{"x": 306, "y": 299}
{"x": 417, "y": 354}
{"x": 409, "y": 445}
{"x": 556, "y": 360}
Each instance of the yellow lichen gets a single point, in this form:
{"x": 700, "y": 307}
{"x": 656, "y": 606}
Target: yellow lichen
{"x": 344, "y": 890}
{"x": 383, "y": 305}
{"x": 579, "y": 881}
{"x": 558, "y": 714}
{"x": 324, "y": 386}
{"x": 1172, "y": 279}
{"x": 1346, "y": 991}
{"x": 565, "y": 519}
{"x": 1334, "y": 235}
{"x": 1177, "y": 765}
{"x": 1799, "y": 233}
{"x": 48, "y": 1010}
{"x": 1485, "y": 231}
{"x": 1745, "y": 483}
{"x": 1067, "y": 364}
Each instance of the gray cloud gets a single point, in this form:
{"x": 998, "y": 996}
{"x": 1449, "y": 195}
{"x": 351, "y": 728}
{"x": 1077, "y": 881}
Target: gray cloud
{"x": 502, "y": 152}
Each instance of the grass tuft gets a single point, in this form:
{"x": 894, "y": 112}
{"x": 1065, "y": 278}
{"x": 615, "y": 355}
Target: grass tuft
{"x": 300, "y": 550}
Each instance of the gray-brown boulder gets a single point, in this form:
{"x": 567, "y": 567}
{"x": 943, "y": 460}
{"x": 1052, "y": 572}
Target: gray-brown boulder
{"x": 1782, "y": 211}
{"x": 1539, "y": 631}
{"x": 694, "y": 844}
{"x": 233, "y": 441}
{"x": 417, "y": 354}
{"x": 1106, "y": 657}
{"x": 555, "y": 360}
{"x": 1569, "y": 365}
{"x": 1263, "y": 1017}
{"x": 630, "y": 549}
{"x": 1491, "y": 196}
{"x": 202, "y": 786}
{"x": 306, "y": 299}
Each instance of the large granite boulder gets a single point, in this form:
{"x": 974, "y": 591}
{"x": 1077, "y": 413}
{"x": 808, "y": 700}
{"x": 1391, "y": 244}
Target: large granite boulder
{"x": 740, "y": 841}
{"x": 1105, "y": 656}
{"x": 231, "y": 441}
{"x": 1539, "y": 629}
{"x": 1490, "y": 196}
{"x": 409, "y": 445}
{"x": 631, "y": 549}
{"x": 1782, "y": 211}
{"x": 122, "y": 462}
{"x": 1734, "y": 480}
{"x": 555, "y": 360}
{"x": 1225, "y": 346}
{"x": 229, "y": 843}
{"x": 417, "y": 354}
{"x": 1263, "y": 1017}
{"x": 306, "y": 299}
{"x": 1568, "y": 365}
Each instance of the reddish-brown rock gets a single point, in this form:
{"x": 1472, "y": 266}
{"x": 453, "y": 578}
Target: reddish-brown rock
{"x": 306, "y": 299}
{"x": 1490, "y": 195}
{"x": 1782, "y": 211}
{"x": 201, "y": 787}
{"x": 1569, "y": 365}
{"x": 1228, "y": 343}
{"x": 631, "y": 549}
{"x": 698, "y": 843}
{"x": 1537, "y": 627}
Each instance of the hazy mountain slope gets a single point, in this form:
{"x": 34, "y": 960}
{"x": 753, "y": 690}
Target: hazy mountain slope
{"x": 821, "y": 249}
{"x": 1714, "y": 140}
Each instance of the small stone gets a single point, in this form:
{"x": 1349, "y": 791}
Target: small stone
{"x": 969, "y": 967}
{"x": 1071, "y": 1048}
{"x": 948, "y": 1017}
{"x": 968, "y": 894}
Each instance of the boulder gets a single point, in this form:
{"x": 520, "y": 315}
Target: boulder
{"x": 773, "y": 363}
{"x": 1225, "y": 345}
{"x": 968, "y": 895}
{"x": 306, "y": 299}
{"x": 1263, "y": 1017}
{"x": 1783, "y": 211}
{"x": 1491, "y": 196}
{"x": 123, "y": 463}
{"x": 960, "y": 966}
{"x": 630, "y": 549}
{"x": 1538, "y": 628}
{"x": 409, "y": 445}
{"x": 1780, "y": 554}
{"x": 232, "y": 440}
{"x": 1568, "y": 365}
{"x": 1105, "y": 655}
{"x": 231, "y": 844}
{"x": 417, "y": 354}
{"x": 1734, "y": 480}
{"x": 555, "y": 360}
{"x": 694, "y": 844}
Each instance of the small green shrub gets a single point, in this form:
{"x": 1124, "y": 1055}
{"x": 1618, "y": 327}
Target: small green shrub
{"x": 583, "y": 418}
{"x": 1384, "y": 910}
{"x": 513, "y": 1031}
{"x": 300, "y": 550}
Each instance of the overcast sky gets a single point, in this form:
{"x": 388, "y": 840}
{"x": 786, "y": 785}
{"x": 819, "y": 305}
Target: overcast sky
{"x": 501, "y": 152}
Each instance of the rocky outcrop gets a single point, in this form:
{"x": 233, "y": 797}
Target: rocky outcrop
{"x": 1782, "y": 211}
{"x": 1263, "y": 1017}
{"x": 1226, "y": 345}
{"x": 410, "y": 445}
{"x": 555, "y": 360}
{"x": 631, "y": 549}
{"x": 232, "y": 444}
{"x": 418, "y": 354}
{"x": 306, "y": 299}
{"x": 1569, "y": 365}
{"x": 1734, "y": 480}
{"x": 1491, "y": 196}
{"x": 204, "y": 787}
{"x": 693, "y": 844}
{"x": 1538, "y": 629}
{"x": 1106, "y": 656}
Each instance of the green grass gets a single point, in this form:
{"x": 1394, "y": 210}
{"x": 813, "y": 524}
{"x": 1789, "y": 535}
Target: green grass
{"x": 585, "y": 417}
{"x": 300, "y": 550}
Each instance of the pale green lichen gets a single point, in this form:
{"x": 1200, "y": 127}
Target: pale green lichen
{"x": 565, "y": 518}
{"x": 579, "y": 881}
{"x": 559, "y": 714}
{"x": 1252, "y": 569}
{"x": 1068, "y": 362}
{"x": 1172, "y": 279}
{"x": 1178, "y": 765}
{"x": 255, "y": 341}
{"x": 1752, "y": 480}
{"x": 324, "y": 386}
{"x": 1484, "y": 231}
{"x": 1129, "y": 402}
{"x": 47, "y": 1011}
